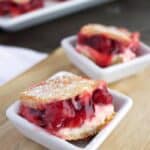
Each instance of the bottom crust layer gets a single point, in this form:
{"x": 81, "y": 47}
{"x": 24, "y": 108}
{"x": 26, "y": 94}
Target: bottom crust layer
{"x": 88, "y": 134}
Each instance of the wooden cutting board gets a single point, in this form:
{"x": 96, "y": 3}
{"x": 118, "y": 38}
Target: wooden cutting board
{"x": 133, "y": 133}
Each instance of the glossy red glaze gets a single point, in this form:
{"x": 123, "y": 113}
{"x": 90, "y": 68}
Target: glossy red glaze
{"x": 103, "y": 95}
{"x": 67, "y": 113}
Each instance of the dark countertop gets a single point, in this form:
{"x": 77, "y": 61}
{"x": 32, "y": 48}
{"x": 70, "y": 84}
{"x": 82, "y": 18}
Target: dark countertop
{"x": 133, "y": 14}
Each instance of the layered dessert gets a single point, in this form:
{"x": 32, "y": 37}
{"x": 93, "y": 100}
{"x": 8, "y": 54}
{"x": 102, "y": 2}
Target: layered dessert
{"x": 68, "y": 106}
{"x": 107, "y": 45}
{"x": 18, "y": 7}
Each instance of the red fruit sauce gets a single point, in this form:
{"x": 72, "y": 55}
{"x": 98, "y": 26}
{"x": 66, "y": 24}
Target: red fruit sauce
{"x": 67, "y": 113}
{"x": 9, "y": 7}
{"x": 103, "y": 48}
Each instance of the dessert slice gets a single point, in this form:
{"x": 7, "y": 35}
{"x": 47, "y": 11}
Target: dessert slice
{"x": 107, "y": 45}
{"x": 68, "y": 106}
{"x": 18, "y": 7}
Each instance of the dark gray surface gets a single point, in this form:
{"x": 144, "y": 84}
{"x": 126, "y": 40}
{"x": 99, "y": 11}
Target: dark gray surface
{"x": 133, "y": 14}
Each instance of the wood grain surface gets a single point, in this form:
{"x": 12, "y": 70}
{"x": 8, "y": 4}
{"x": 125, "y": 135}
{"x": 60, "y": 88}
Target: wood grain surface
{"x": 133, "y": 133}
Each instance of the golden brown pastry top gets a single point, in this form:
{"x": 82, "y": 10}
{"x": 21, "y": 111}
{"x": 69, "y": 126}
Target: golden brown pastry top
{"x": 17, "y": 1}
{"x": 58, "y": 88}
{"x": 110, "y": 31}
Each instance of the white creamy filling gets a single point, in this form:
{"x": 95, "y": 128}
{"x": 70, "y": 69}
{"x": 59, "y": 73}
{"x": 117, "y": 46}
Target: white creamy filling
{"x": 125, "y": 56}
{"x": 101, "y": 113}
{"x": 128, "y": 55}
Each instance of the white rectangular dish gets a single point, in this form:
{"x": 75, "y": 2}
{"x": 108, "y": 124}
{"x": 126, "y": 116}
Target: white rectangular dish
{"x": 122, "y": 105}
{"x": 111, "y": 73}
{"x": 50, "y": 11}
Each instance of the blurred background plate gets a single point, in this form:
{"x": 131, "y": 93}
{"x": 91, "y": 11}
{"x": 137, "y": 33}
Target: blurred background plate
{"x": 50, "y": 11}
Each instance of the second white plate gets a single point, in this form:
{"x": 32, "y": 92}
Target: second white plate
{"x": 50, "y": 11}
{"x": 111, "y": 73}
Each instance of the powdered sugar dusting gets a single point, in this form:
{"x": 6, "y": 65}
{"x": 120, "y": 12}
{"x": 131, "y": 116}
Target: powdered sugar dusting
{"x": 62, "y": 86}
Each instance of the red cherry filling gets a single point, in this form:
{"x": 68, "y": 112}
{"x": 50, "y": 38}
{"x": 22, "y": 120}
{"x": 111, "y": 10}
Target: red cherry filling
{"x": 67, "y": 113}
{"x": 100, "y": 43}
{"x": 101, "y": 48}
{"x": 36, "y": 117}
{"x": 9, "y": 7}
{"x": 102, "y": 96}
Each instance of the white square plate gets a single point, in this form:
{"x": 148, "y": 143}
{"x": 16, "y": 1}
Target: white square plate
{"x": 111, "y": 73}
{"x": 50, "y": 11}
{"x": 122, "y": 105}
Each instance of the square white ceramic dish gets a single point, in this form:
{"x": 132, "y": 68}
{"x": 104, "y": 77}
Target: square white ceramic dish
{"x": 111, "y": 73}
{"x": 122, "y": 105}
{"x": 50, "y": 11}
